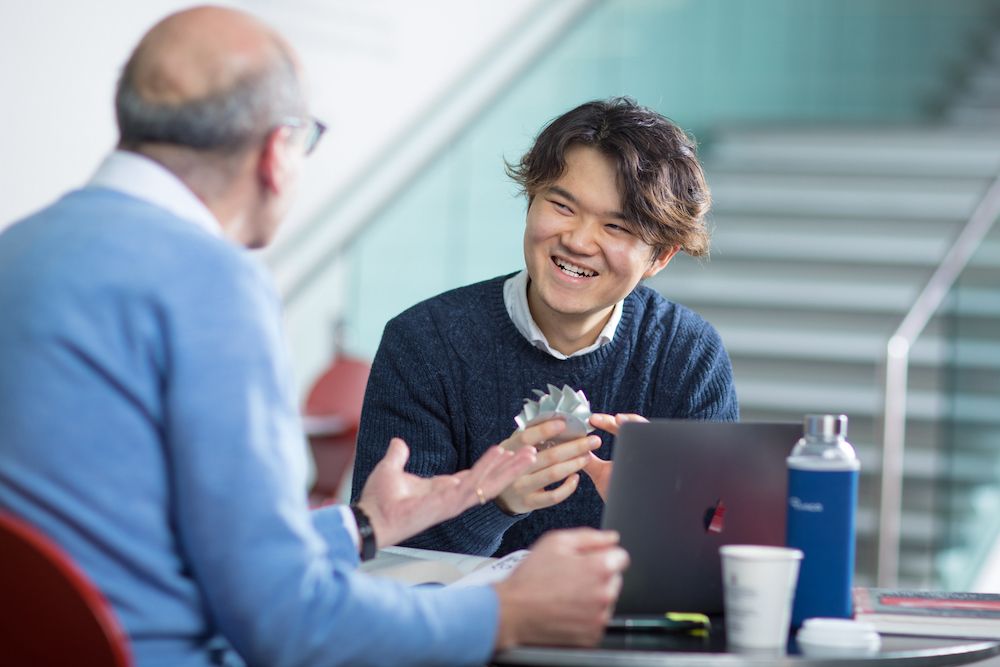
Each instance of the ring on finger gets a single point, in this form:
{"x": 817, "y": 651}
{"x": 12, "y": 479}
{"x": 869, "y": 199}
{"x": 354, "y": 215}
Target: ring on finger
{"x": 481, "y": 495}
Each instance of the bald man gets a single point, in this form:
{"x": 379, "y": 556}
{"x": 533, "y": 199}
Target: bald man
{"x": 148, "y": 422}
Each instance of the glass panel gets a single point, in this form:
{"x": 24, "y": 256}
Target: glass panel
{"x": 971, "y": 425}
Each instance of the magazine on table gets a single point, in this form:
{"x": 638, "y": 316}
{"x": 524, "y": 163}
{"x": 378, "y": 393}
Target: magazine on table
{"x": 931, "y": 613}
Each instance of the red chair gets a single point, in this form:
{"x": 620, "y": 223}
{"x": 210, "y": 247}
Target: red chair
{"x": 50, "y": 613}
{"x": 331, "y": 420}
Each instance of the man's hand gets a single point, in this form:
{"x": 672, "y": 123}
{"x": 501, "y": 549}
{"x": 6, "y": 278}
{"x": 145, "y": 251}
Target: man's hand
{"x": 559, "y": 462}
{"x": 401, "y": 504}
{"x": 599, "y": 469}
{"x": 564, "y": 591}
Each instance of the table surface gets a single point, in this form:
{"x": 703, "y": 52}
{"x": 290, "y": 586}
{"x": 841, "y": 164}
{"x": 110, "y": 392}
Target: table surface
{"x": 621, "y": 649}
{"x": 648, "y": 649}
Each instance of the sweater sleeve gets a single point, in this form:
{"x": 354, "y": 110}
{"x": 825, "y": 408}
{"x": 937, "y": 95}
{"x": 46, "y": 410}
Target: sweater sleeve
{"x": 411, "y": 395}
{"x": 278, "y": 590}
{"x": 702, "y": 374}
{"x": 333, "y": 522}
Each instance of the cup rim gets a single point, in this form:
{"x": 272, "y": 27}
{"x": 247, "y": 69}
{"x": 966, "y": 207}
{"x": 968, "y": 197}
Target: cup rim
{"x": 760, "y": 552}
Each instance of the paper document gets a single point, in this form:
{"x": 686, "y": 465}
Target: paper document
{"x": 493, "y": 572}
{"x": 425, "y": 566}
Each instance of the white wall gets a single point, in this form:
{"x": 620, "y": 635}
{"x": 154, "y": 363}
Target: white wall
{"x": 59, "y": 64}
{"x": 372, "y": 66}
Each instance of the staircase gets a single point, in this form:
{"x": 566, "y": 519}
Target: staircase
{"x": 978, "y": 104}
{"x": 823, "y": 239}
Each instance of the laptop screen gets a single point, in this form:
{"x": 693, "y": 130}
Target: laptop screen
{"x": 681, "y": 489}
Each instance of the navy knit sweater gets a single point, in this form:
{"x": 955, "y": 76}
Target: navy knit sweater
{"x": 453, "y": 371}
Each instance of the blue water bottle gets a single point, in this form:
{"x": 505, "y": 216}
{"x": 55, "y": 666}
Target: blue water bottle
{"x": 822, "y": 503}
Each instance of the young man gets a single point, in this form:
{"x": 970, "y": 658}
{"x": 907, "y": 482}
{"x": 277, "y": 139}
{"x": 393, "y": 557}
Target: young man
{"x": 148, "y": 423}
{"x": 614, "y": 192}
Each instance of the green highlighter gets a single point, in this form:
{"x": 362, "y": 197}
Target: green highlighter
{"x": 672, "y": 621}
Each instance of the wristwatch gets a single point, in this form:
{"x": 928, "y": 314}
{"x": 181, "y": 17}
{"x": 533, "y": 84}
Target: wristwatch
{"x": 365, "y": 531}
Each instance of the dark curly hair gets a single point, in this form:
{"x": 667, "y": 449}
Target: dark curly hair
{"x": 662, "y": 183}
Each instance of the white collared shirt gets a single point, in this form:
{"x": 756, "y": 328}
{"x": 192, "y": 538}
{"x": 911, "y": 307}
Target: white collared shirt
{"x": 140, "y": 177}
{"x": 515, "y": 298}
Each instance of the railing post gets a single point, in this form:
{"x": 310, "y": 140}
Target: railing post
{"x": 893, "y": 441}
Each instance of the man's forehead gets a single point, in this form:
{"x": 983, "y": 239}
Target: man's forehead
{"x": 590, "y": 179}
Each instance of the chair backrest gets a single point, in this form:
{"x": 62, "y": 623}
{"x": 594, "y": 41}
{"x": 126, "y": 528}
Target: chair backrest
{"x": 338, "y": 392}
{"x": 50, "y": 612}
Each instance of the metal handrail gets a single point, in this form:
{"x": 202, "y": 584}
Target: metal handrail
{"x": 897, "y": 359}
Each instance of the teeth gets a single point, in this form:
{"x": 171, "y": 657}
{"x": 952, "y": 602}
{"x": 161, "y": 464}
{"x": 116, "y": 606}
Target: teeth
{"x": 574, "y": 270}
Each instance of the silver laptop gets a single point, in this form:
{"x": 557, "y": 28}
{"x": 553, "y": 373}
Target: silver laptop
{"x": 681, "y": 489}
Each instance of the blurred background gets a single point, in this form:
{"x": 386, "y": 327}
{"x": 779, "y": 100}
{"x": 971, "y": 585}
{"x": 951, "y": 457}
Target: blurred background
{"x": 852, "y": 147}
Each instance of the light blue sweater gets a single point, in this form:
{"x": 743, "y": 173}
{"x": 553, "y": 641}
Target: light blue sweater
{"x": 148, "y": 424}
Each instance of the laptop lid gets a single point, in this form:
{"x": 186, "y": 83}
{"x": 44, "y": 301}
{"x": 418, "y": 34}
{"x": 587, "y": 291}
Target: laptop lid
{"x": 681, "y": 489}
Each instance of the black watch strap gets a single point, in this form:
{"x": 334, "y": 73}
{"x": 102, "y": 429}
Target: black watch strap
{"x": 366, "y": 532}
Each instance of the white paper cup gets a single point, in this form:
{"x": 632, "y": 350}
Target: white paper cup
{"x": 758, "y": 588}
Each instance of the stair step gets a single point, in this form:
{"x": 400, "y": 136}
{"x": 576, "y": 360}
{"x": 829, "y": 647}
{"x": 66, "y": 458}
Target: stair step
{"x": 800, "y": 398}
{"x": 858, "y": 197}
{"x": 973, "y": 116}
{"x": 985, "y": 79}
{"x": 913, "y": 526}
{"x": 920, "y": 464}
{"x": 728, "y": 284}
{"x": 980, "y": 499}
{"x": 975, "y": 470}
{"x": 961, "y": 155}
{"x": 852, "y": 347}
{"x": 979, "y": 97}
{"x": 870, "y": 243}
{"x": 811, "y": 287}
{"x": 869, "y": 140}
{"x": 882, "y": 243}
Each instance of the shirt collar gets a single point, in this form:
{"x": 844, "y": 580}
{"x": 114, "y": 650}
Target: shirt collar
{"x": 140, "y": 177}
{"x": 515, "y": 298}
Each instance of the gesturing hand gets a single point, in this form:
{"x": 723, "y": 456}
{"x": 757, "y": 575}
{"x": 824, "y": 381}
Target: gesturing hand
{"x": 599, "y": 469}
{"x": 401, "y": 504}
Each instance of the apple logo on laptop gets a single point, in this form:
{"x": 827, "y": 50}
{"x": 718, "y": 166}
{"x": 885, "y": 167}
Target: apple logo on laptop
{"x": 714, "y": 517}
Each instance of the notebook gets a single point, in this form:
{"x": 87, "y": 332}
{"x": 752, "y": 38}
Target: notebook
{"x": 681, "y": 489}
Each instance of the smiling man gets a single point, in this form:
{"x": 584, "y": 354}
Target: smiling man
{"x": 614, "y": 192}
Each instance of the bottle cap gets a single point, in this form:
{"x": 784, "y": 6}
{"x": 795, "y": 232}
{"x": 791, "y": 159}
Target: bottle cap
{"x": 826, "y": 427}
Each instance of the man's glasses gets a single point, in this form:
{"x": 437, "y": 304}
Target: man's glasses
{"x": 314, "y": 130}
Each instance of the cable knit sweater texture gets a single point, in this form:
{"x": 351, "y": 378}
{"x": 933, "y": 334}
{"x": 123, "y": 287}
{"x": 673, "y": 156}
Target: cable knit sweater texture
{"x": 453, "y": 371}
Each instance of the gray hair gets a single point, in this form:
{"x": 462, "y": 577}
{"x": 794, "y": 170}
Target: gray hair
{"x": 226, "y": 121}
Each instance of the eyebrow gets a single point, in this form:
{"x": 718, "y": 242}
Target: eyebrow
{"x": 565, "y": 194}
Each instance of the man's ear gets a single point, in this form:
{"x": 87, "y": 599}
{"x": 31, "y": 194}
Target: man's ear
{"x": 660, "y": 261}
{"x": 273, "y": 161}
